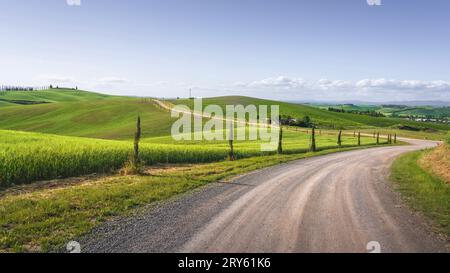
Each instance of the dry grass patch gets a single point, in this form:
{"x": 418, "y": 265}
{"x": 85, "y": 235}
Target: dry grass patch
{"x": 438, "y": 161}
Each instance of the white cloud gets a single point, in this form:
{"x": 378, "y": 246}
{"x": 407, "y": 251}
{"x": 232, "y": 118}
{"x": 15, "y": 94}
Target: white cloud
{"x": 330, "y": 84}
{"x": 286, "y": 83}
{"x": 280, "y": 82}
{"x": 413, "y": 85}
{"x": 112, "y": 80}
{"x": 73, "y": 2}
{"x": 54, "y": 78}
{"x": 366, "y": 89}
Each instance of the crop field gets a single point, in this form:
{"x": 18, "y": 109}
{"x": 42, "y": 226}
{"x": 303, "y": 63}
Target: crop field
{"x": 28, "y": 157}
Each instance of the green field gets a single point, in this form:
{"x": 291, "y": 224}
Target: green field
{"x": 44, "y": 218}
{"x": 28, "y": 157}
{"x": 77, "y": 132}
{"x": 80, "y": 113}
{"x": 392, "y": 110}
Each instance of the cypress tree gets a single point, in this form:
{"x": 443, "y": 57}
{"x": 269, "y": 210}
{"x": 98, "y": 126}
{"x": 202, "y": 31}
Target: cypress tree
{"x": 313, "y": 139}
{"x": 339, "y": 142}
{"x": 137, "y": 139}
{"x": 280, "y": 141}
{"x": 378, "y": 138}
{"x": 359, "y": 138}
{"x": 232, "y": 156}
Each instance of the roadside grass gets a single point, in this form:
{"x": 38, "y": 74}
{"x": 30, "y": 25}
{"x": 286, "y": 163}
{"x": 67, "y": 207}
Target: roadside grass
{"x": 422, "y": 190}
{"x": 43, "y": 220}
{"x": 438, "y": 162}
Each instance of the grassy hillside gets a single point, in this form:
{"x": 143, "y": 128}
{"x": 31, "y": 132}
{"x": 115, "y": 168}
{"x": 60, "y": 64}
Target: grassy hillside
{"x": 321, "y": 118}
{"x": 109, "y": 118}
{"x": 53, "y": 95}
{"x": 86, "y": 114}
{"x": 5, "y": 103}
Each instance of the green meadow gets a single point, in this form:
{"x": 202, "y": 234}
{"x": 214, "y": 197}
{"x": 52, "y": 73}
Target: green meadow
{"x": 67, "y": 133}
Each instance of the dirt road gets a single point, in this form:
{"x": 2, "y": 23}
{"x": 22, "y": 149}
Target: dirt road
{"x": 334, "y": 203}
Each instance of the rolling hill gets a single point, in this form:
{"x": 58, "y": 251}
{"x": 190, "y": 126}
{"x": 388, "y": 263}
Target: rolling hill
{"x": 87, "y": 114}
{"x": 322, "y": 118}
{"x": 49, "y": 96}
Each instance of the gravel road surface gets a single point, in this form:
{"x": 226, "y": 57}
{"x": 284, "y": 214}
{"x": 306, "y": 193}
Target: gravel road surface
{"x": 334, "y": 203}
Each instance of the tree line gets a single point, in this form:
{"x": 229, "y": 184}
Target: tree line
{"x": 304, "y": 122}
{"x": 22, "y": 88}
{"x": 5, "y": 88}
{"x": 371, "y": 113}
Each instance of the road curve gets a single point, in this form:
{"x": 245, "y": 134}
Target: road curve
{"x": 334, "y": 203}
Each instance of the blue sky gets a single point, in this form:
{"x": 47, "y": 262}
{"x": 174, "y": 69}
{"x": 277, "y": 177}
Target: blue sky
{"x": 289, "y": 50}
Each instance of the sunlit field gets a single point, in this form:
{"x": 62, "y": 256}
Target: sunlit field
{"x": 28, "y": 157}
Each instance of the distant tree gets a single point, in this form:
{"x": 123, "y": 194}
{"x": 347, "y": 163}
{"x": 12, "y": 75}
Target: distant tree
{"x": 395, "y": 138}
{"x": 359, "y": 138}
{"x": 307, "y": 121}
{"x": 378, "y": 138}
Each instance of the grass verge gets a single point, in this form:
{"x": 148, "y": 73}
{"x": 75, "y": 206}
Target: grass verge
{"x": 422, "y": 190}
{"x": 43, "y": 220}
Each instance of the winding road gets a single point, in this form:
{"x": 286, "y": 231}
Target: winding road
{"x": 334, "y": 203}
